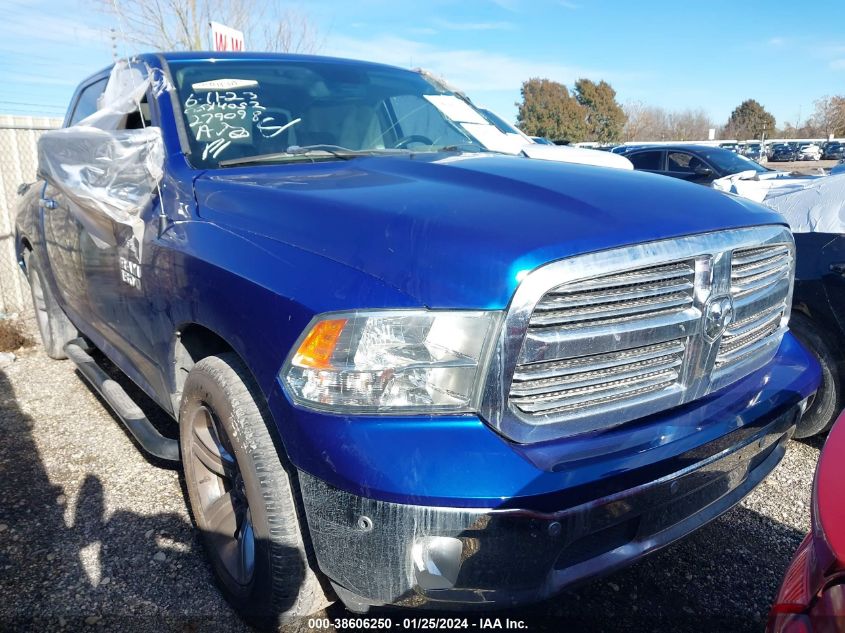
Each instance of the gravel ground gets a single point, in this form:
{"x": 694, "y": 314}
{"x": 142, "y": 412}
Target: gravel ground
{"x": 93, "y": 536}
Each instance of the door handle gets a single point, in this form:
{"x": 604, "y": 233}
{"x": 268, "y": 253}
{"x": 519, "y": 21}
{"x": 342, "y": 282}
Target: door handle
{"x": 49, "y": 203}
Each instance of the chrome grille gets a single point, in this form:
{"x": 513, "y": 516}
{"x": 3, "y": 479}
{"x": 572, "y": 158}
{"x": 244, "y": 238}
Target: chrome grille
{"x": 633, "y": 294}
{"x": 597, "y": 340}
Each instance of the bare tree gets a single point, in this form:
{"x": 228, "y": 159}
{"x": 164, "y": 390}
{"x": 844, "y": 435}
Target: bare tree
{"x": 184, "y": 24}
{"x": 644, "y": 122}
{"x": 829, "y": 116}
{"x": 689, "y": 125}
{"x": 651, "y": 123}
{"x": 293, "y": 32}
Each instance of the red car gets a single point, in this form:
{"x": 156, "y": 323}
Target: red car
{"x": 812, "y": 597}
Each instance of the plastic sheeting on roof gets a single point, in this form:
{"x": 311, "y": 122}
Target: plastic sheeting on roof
{"x": 108, "y": 174}
{"x": 817, "y": 207}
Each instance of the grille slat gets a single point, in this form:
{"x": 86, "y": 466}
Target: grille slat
{"x": 751, "y": 255}
{"x": 596, "y": 315}
{"x": 639, "y": 293}
{"x": 556, "y": 301}
{"x": 738, "y": 341}
{"x": 596, "y": 362}
{"x": 612, "y": 391}
{"x": 595, "y": 378}
{"x": 755, "y": 273}
{"x": 754, "y": 269}
{"x": 628, "y": 278}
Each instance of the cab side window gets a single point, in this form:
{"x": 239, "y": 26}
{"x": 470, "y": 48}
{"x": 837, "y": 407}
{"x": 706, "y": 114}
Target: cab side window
{"x": 647, "y": 160}
{"x": 86, "y": 105}
{"x": 138, "y": 119}
{"x": 417, "y": 117}
{"x": 681, "y": 162}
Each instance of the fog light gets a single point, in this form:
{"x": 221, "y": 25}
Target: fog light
{"x": 437, "y": 561}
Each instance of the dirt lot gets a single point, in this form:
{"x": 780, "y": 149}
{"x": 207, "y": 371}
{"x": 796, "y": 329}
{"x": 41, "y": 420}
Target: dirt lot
{"x": 802, "y": 165}
{"x": 95, "y": 537}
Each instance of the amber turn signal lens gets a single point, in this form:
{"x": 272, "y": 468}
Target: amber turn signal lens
{"x": 317, "y": 348}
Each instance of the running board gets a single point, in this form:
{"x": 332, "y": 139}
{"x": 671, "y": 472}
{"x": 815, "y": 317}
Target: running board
{"x": 129, "y": 413}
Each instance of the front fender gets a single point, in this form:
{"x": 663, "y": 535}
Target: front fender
{"x": 256, "y": 294}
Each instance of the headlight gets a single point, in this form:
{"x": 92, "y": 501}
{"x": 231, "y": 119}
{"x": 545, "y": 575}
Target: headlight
{"x": 392, "y": 361}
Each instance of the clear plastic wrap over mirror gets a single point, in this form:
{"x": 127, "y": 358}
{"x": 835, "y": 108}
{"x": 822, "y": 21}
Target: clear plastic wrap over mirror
{"x": 107, "y": 174}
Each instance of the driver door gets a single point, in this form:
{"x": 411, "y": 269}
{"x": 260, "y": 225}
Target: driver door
{"x": 115, "y": 274}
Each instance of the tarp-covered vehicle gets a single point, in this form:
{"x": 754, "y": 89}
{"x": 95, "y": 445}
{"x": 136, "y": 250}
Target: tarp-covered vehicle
{"x": 405, "y": 369}
{"x": 814, "y": 207}
{"x": 816, "y": 215}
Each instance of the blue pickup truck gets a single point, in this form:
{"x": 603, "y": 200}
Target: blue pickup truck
{"x": 405, "y": 370}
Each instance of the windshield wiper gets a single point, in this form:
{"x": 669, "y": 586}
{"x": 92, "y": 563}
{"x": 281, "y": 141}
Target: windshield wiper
{"x": 309, "y": 151}
{"x": 473, "y": 148}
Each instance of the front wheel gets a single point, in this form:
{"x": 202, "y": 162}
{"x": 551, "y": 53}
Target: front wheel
{"x": 242, "y": 496}
{"x": 825, "y": 406}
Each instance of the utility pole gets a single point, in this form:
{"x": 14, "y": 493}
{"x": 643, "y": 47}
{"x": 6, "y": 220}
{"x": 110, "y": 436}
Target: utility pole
{"x": 113, "y": 44}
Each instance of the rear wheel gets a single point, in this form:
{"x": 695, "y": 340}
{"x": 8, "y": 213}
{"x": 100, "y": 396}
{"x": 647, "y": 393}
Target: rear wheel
{"x": 822, "y": 411}
{"x": 242, "y": 496}
{"x": 55, "y": 328}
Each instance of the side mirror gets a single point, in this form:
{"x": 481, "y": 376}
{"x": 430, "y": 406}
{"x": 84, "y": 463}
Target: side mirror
{"x": 703, "y": 171}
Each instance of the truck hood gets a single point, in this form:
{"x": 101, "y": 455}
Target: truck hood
{"x": 460, "y": 230}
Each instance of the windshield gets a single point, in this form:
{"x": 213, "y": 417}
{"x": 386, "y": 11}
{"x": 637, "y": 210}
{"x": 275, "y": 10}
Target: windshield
{"x": 501, "y": 125}
{"x": 237, "y": 109}
{"x": 729, "y": 163}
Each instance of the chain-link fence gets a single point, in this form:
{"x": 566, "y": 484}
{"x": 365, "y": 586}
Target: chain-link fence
{"x": 18, "y": 162}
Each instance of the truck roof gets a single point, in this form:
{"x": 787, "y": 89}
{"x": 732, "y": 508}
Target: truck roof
{"x": 200, "y": 56}
{"x": 254, "y": 55}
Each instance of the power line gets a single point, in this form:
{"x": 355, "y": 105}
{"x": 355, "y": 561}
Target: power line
{"x": 38, "y": 105}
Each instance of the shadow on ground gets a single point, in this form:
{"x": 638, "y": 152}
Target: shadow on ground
{"x": 75, "y": 566}
{"x": 82, "y": 566}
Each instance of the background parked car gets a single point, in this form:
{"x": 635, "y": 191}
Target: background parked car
{"x": 784, "y": 152}
{"x": 833, "y": 151}
{"x": 755, "y": 152}
{"x": 809, "y": 151}
{"x": 812, "y": 597}
{"x": 504, "y": 137}
{"x": 700, "y": 164}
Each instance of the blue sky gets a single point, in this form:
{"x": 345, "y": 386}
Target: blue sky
{"x": 676, "y": 54}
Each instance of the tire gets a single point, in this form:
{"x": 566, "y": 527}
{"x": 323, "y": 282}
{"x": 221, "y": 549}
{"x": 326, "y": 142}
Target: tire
{"x": 55, "y": 328}
{"x": 243, "y": 497}
{"x": 827, "y": 403}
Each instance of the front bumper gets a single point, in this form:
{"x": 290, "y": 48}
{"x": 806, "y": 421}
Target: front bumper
{"x": 378, "y": 552}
